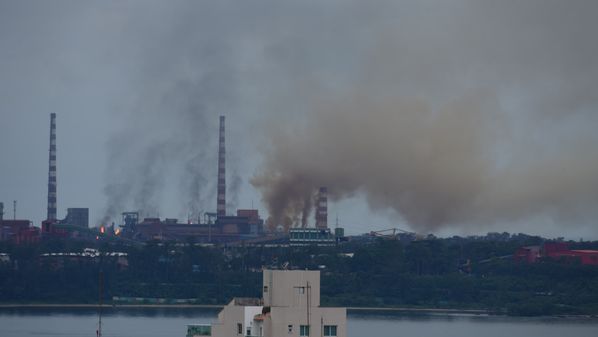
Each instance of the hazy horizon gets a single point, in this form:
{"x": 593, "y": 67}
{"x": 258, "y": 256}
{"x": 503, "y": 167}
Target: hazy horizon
{"x": 446, "y": 117}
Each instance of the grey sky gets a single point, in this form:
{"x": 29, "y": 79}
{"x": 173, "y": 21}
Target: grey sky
{"x": 138, "y": 86}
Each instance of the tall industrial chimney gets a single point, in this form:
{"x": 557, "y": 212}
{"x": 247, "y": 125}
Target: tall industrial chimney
{"x": 52, "y": 170}
{"x": 221, "y": 198}
{"x": 322, "y": 208}
{"x": 1, "y": 211}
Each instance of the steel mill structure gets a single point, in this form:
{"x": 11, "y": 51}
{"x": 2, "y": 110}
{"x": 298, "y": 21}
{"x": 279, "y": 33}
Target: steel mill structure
{"x": 217, "y": 227}
{"x": 52, "y": 201}
{"x": 221, "y": 198}
{"x": 18, "y": 231}
{"x": 243, "y": 226}
{"x": 52, "y": 184}
{"x": 76, "y": 222}
{"x": 322, "y": 209}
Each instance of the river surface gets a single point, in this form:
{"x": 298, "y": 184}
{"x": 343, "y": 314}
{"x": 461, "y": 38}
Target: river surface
{"x": 171, "y": 322}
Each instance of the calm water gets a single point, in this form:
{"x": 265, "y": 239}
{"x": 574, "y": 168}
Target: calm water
{"x": 171, "y": 323}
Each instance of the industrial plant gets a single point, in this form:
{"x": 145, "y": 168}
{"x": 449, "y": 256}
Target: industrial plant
{"x": 23, "y": 231}
{"x": 244, "y": 226}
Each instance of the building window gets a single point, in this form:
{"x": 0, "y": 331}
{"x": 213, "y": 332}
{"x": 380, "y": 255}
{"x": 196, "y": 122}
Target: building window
{"x": 300, "y": 290}
{"x": 239, "y": 329}
{"x": 304, "y": 330}
{"x": 329, "y": 330}
{"x": 248, "y": 332}
{"x": 290, "y": 328}
{"x": 265, "y": 289}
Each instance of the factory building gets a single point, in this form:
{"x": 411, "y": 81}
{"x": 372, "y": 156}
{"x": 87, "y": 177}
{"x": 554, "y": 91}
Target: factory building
{"x": 17, "y": 231}
{"x": 311, "y": 237}
{"x": 219, "y": 227}
{"x": 556, "y": 251}
{"x": 320, "y": 235}
{"x": 245, "y": 225}
{"x": 246, "y": 222}
{"x": 74, "y": 225}
{"x": 78, "y": 217}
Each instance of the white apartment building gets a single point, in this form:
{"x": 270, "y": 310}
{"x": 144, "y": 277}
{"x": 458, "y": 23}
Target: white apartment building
{"x": 290, "y": 307}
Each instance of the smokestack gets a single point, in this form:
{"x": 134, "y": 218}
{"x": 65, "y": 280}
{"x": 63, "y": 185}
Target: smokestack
{"x": 221, "y": 198}
{"x": 52, "y": 170}
{"x": 1, "y": 211}
{"x": 322, "y": 209}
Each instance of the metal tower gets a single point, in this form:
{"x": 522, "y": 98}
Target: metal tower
{"x": 221, "y": 198}
{"x": 322, "y": 208}
{"x": 52, "y": 170}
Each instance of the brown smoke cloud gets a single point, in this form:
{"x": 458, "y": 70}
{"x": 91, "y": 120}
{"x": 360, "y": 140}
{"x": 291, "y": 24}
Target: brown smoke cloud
{"x": 460, "y": 163}
{"x": 461, "y": 114}
{"x": 453, "y": 112}
{"x": 478, "y": 115}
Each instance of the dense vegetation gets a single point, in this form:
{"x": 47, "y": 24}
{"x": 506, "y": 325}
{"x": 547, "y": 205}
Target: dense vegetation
{"x": 474, "y": 273}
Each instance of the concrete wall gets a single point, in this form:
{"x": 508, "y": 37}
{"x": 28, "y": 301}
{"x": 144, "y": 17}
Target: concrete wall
{"x": 228, "y": 319}
{"x": 250, "y": 313}
{"x": 287, "y": 297}
{"x": 287, "y": 288}
{"x": 230, "y": 316}
{"x": 281, "y": 318}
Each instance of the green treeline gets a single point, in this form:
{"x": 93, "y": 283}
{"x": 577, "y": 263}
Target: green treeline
{"x": 461, "y": 273}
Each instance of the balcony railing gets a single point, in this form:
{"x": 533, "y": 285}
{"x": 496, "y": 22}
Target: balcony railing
{"x": 194, "y": 330}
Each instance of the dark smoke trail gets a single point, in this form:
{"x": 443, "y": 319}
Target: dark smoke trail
{"x": 234, "y": 189}
{"x": 172, "y": 134}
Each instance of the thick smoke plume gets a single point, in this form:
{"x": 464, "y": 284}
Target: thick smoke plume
{"x": 450, "y": 113}
{"x": 477, "y": 123}
{"x": 435, "y": 167}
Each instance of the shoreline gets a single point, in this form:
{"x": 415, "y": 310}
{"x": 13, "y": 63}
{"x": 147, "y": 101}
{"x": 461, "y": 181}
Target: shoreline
{"x": 426, "y": 310}
{"x": 220, "y": 306}
{"x": 91, "y": 306}
{"x": 406, "y": 310}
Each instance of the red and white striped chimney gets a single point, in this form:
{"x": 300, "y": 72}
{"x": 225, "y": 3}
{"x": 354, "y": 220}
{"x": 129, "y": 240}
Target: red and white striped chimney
{"x": 322, "y": 208}
{"x": 221, "y": 197}
{"x": 52, "y": 170}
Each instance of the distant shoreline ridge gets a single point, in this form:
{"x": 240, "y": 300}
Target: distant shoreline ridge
{"x": 219, "y": 306}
